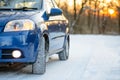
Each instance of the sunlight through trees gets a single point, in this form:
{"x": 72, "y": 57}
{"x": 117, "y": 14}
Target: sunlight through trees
{"x": 92, "y": 16}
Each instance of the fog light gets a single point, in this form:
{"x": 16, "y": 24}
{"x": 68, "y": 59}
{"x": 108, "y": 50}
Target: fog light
{"x": 16, "y": 53}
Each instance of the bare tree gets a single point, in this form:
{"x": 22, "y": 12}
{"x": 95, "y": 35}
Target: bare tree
{"x": 94, "y": 15}
{"x": 78, "y": 16}
{"x": 89, "y": 14}
{"x": 98, "y": 18}
{"x": 118, "y": 8}
{"x": 75, "y": 10}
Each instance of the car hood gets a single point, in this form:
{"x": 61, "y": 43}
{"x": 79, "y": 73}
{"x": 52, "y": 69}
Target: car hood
{"x": 15, "y": 15}
{"x": 8, "y": 16}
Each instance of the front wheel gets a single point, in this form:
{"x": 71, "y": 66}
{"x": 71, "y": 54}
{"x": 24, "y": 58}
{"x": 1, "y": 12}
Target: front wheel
{"x": 39, "y": 66}
{"x": 64, "y": 55}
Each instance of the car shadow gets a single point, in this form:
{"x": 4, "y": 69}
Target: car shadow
{"x": 26, "y": 69}
{"x": 11, "y": 67}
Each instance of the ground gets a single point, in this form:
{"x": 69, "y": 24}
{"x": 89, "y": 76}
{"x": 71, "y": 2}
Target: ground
{"x": 92, "y": 57}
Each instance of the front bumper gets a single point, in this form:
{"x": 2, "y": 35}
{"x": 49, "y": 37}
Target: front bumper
{"x": 25, "y": 41}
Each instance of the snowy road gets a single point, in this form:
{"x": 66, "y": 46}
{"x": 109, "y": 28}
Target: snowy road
{"x": 92, "y": 57}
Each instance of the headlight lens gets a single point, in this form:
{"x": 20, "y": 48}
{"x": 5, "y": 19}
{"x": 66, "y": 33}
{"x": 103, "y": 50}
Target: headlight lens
{"x": 19, "y": 25}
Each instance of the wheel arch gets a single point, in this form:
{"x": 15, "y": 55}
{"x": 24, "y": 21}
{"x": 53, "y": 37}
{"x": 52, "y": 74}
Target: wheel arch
{"x": 46, "y": 37}
{"x": 67, "y": 38}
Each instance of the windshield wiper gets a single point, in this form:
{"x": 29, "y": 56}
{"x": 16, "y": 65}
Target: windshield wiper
{"x": 23, "y": 8}
{"x": 6, "y": 9}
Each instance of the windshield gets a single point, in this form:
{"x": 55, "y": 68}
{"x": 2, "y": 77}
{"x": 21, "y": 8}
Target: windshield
{"x": 16, "y": 4}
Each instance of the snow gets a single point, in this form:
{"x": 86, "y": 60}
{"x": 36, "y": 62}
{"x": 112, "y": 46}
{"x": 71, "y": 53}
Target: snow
{"x": 92, "y": 57}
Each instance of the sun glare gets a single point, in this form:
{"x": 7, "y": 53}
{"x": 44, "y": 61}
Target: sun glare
{"x": 108, "y": 1}
{"x": 103, "y": 3}
{"x": 111, "y": 11}
{"x": 70, "y": 3}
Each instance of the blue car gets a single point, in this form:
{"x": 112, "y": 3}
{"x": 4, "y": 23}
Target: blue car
{"x": 31, "y": 31}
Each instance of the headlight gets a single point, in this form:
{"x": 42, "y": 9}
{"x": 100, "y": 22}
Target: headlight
{"x": 19, "y": 25}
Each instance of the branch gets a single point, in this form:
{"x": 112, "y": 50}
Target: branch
{"x": 78, "y": 16}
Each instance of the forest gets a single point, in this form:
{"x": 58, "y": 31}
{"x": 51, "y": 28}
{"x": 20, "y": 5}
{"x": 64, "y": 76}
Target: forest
{"x": 92, "y": 16}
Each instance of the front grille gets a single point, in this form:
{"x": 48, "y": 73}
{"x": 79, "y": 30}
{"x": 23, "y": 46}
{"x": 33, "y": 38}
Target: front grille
{"x": 7, "y": 54}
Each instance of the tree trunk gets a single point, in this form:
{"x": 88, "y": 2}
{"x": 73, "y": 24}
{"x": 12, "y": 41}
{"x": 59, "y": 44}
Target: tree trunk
{"x": 119, "y": 22}
{"x": 75, "y": 10}
{"x": 78, "y": 16}
{"x": 98, "y": 21}
{"x": 89, "y": 15}
{"x": 93, "y": 21}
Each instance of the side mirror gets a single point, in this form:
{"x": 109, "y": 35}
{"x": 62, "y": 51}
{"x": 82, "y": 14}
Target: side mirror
{"x": 55, "y": 12}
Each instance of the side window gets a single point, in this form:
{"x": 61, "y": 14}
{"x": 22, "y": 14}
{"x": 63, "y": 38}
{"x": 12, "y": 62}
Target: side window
{"x": 54, "y": 3}
{"x": 51, "y": 5}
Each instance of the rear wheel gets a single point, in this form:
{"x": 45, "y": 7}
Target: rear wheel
{"x": 65, "y": 53}
{"x": 39, "y": 67}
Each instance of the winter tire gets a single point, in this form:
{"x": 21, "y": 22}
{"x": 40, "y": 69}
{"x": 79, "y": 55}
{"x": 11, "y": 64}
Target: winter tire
{"x": 65, "y": 53}
{"x": 39, "y": 66}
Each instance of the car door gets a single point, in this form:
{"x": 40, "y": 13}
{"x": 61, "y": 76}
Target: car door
{"x": 55, "y": 28}
{"x": 63, "y": 24}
